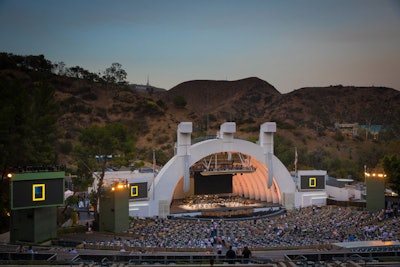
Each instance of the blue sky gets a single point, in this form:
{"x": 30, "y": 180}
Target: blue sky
{"x": 290, "y": 44}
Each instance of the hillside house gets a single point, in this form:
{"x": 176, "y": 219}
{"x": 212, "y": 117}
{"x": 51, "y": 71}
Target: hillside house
{"x": 350, "y": 129}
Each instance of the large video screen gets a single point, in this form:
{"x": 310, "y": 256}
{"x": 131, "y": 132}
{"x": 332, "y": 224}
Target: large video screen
{"x": 308, "y": 182}
{"x": 37, "y": 193}
{"x": 212, "y": 184}
{"x": 137, "y": 190}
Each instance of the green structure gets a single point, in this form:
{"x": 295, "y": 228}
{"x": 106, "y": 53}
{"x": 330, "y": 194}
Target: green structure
{"x": 34, "y": 200}
{"x": 375, "y": 191}
{"x": 114, "y": 209}
{"x": 33, "y": 225}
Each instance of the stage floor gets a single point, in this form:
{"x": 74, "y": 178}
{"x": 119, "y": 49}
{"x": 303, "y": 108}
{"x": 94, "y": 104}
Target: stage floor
{"x": 196, "y": 205}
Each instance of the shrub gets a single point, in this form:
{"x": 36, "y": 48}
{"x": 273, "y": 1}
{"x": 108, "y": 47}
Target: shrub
{"x": 162, "y": 139}
{"x": 101, "y": 112}
{"x": 66, "y": 147}
{"x": 73, "y": 229}
{"x": 90, "y": 96}
{"x": 179, "y": 101}
{"x": 338, "y": 136}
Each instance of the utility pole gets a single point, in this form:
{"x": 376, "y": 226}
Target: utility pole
{"x": 154, "y": 173}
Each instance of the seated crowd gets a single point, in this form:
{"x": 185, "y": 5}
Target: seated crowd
{"x": 311, "y": 226}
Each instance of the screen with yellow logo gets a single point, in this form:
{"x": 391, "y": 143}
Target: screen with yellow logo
{"x": 138, "y": 190}
{"x": 316, "y": 182}
{"x": 36, "y": 190}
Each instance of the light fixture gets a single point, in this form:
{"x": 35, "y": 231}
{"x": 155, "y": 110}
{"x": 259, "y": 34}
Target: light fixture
{"x": 375, "y": 174}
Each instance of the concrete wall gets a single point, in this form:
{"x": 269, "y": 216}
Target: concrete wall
{"x": 375, "y": 194}
{"x": 114, "y": 211}
{"x": 311, "y": 198}
{"x": 33, "y": 225}
{"x": 343, "y": 193}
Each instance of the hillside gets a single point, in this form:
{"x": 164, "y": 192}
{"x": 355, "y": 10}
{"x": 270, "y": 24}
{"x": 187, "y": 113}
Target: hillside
{"x": 225, "y": 98}
{"x": 305, "y": 117}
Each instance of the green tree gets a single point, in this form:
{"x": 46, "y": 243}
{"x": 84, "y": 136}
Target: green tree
{"x": 37, "y": 63}
{"x": 81, "y": 73}
{"x": 179, "y": 101}
{"x": 100, "y": 148}
{"x": 45, "y": 111}
{"x": 70, "y": 201}
{"x": 28, "y": 122}
{"x": 284, "y": 150}
{"x": 370, "y": 153}
{"x": 391, "y": 166}
{"x": 14, "y": 118}
{"x": 316, "y": 158}
{"x": 341, "y": 167}
{"x": 28, "y": 117}
{"x": 115, "y": 74}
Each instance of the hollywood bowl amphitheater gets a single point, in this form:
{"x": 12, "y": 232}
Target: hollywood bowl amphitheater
{"x": 220, "y": 175}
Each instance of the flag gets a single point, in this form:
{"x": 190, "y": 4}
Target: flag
{"x": 295, "y": 158}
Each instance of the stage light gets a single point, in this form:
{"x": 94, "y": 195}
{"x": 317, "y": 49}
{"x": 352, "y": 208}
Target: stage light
{"x": 119, "y": 186}
{"x": 375, "y": 174}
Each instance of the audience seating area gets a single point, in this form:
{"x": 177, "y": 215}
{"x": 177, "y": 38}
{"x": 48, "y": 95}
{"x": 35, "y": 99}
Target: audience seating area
{"x": 306, "y": 227}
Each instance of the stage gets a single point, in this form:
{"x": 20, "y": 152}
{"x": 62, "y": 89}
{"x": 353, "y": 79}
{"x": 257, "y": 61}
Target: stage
{"x": 219, "y": 206}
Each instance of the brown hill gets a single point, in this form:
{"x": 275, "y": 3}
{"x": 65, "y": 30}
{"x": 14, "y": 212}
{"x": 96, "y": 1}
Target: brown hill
{"x": 254, "y": 100}
{"x": 343, "y": 104}
{"x": 221, "y": 98}
{"x": 305, "y": 117}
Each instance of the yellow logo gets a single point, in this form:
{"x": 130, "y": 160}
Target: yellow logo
{"x": 134, "y": 190}
{"x": 312, "y": 182}
{"x": 38, "y": 192}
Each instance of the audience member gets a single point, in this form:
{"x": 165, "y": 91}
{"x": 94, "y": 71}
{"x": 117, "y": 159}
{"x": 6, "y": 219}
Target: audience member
{"x": 230, "y": 255}
{"x": 246, "y": 253}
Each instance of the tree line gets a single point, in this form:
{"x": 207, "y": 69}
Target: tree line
{"x": 114, "y": 74}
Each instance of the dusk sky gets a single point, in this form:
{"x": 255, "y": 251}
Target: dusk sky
{"x": 290, "y": 44}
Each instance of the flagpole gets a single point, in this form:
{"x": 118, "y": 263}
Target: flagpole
{"x": 295, "y": 160}
{"x": 154, "y": 173}
{"x": 154, "y": 162}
